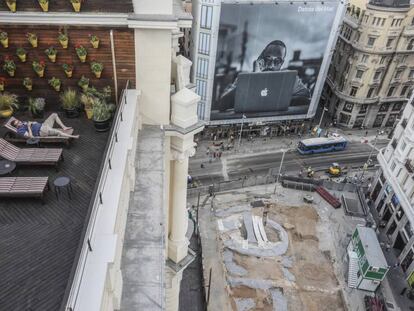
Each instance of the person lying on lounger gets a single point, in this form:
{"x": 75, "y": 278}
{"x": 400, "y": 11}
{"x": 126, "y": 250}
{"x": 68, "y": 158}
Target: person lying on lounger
{"x": 36, "y": 129}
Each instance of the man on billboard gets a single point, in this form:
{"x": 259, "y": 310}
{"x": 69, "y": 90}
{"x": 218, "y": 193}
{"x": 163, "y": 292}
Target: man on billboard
{"x": 270, "y": 59}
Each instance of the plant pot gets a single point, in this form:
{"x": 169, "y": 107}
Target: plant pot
{"x": 82, "y": 58}
{"x": 71, "y": 113}
{"x": 89, "y": 113}
{"x": 56, "y": 88}
{"x": 52, "y": 58}
{"x": 64, "y": 43}
{"x": 102, "y": 126}
{"x": 44, "y": 6}
{"x": 29, "y": 87}
{"x": 5, "y": 43}
{"x": 33, "y": 43}
{"x": 6, "y": 113}
{"x": 41, "y": 73}
{"x": 68, "y": 73}
{"x": 22, "y": 57}
{"x": 84, "y": 87}
{"x": 98, "y": 74}
{"x": 95, "y": 44}
{"x": 76, "y": 7}
{"x": 1, "y": 87}
{"x": 11, "y": 73}
{"x": 12, "y": 6}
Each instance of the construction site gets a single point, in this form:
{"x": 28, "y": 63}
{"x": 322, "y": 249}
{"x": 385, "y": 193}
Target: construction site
{"x": 274, "y": 251}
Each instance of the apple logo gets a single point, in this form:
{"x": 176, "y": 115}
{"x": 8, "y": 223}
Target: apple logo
{"x": 264, "y": 92}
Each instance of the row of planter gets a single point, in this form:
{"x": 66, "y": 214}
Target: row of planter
{"x": 63, "y": 39}
{"x": 44, "y": 4}
{"x": 54, "y": 82}
{"x": 10, "y": 66}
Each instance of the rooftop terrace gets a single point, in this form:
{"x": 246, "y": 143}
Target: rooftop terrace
{"x": 38, "y": 243}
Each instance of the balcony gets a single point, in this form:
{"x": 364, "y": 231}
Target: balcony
{"x": 394, "y": 144}
{"x": 409, "y": 166}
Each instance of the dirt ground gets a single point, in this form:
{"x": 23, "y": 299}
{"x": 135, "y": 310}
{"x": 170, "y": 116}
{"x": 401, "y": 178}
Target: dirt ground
{"x": 315, "y": 287}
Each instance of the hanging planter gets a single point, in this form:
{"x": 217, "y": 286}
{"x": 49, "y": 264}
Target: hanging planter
{"x": 68, "y": 68}
{"x": 97, "y": 68}
{"x": 4, "y": 39}
{"x": 9, "y": 66}
{"x": 63, "y": 40}
{"x": 76, "y": 5}
{"x": 55, "y": 83}
{"x": 32, "y": 38}
{"x": 2, "y": 84}
{"x": 51, "y": 52}
{"x": 81, "y": 52}
{"x": 44, "y": 4}
{"x": 94, "y": 41}
{"x": 28, "y": 83}
{"x": 39, "y": 67}
{"x": 12, "y": 5}
{"x": 84, "y": 83}
{"x": 21, "y": 54}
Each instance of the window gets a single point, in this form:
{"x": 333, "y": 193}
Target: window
{"x": 389, "y": 42}
{"x": 354, "y": 91}
{"x": 201, "y": 88}
{"x": 391, "y": 120}
{"x": 204, "y": 43}
{"x": 393, "y": 165}
{"x": 403, "y": 59}
{"x": 383, "y": 21}
{"x": 403, "y": 145}
{"x": 391, "y": 91}
{"x": 348, "y": 107}
{"x": 377, "y": 75}
{"x": 364, "y": 58}
{"x": 404, "y": 90}
{"x": 371, "y": 41}
{"x": 357, "y": 36}
{"x": 398, "y": 74}
{"x": 383, "y": 59}
{"x": 384, "y": 107}
{"x": 206, "y": 16}
{"x": 359, "y": 74}
{"x": 344, "y": 118}
{"x": 370, "y": 92}
{"x": 374, "y": 20}
{"x": 410, "y": 44}
{"x": 363, "y": 108}
{"x": 397, "y": 107}
{"x": 411, "y": 73}
{"x": 202, "y": 68}
{"x": 412, "y": 22}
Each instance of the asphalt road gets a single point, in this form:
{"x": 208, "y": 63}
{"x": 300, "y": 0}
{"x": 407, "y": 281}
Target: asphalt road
{"x": 235, "y": 166}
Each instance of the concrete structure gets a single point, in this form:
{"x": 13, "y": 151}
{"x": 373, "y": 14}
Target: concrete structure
{"x": 371, "y": 266}
{"x": 392, "y": 192}
{"x": 371, "y": 73}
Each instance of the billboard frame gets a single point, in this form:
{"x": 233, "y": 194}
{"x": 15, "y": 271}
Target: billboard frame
{"x": 216, "y": 4}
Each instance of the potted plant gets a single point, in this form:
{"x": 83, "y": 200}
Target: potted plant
{"x": 94, "y": 39}
{"x": 88, "y": 102}
{"x": 97, "y": 68}
{"x": 2, "y": 84}
{"x": 9, "y": 65}
{"x": 32, "y": 38}
{"x": 44, "y": 4}
{"x": 70, "y": 104}
{"x": 81, "y": 52}
{"x": 28, "y": 83}
{"x": 4, "y": 39}
{"x": 39, "y": 67}
{"x": 102, "y": 114}
{"x": 8, "y": 104}
{"x": 68, "y": 68}
{"x": 76, "y": 5}
{"x": 37, "y": 107}
{"x": 12, "y": 5}
{"x": 63, "y": 40}
{"x": 84, "y": 83}
{"x": 51, "y": 52}
{"x": 55, "y": 83}
{"x": 21, "y": 54}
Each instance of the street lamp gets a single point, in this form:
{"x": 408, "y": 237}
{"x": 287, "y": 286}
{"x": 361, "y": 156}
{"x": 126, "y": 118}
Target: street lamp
{"x": 323, "y": 113}
{"x": 280, "y": 168}
{"x": 241, "y": 130}
{"x": 370, "y": 155}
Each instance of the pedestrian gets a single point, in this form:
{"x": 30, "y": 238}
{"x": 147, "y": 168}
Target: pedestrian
{"x": 366, "y": 133}
{"x": 219, "y": 155}
{"x": 202, "y": 165}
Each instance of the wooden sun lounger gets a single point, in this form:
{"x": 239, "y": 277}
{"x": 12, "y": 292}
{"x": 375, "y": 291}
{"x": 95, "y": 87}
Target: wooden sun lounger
{"x": 23, "y": 187}
{"x": 30, "y": 156}
{"x": 13, "y": 136}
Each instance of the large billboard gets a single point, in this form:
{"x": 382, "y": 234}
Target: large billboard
{"x": 269, "y": 59}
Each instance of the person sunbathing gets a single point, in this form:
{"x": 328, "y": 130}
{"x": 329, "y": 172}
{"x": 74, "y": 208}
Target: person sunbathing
{"x": 37, "y": 129}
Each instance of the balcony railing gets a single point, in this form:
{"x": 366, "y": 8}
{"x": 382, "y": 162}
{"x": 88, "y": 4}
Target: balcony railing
{"x": 409, "y": 166}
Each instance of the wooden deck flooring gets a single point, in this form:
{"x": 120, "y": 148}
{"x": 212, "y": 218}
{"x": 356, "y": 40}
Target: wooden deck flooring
{"x": 38, "y": 242}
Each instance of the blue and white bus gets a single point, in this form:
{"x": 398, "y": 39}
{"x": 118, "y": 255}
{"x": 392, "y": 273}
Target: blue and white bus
{"x": 321, "y": 144}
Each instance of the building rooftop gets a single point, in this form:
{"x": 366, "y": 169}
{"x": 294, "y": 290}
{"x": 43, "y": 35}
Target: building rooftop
{"x": 372, "y": 248}
{"x": 38, "y": 242}
{"x": 391, "y": 3}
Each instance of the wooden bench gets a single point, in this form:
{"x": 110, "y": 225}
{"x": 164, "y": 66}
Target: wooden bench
{"x": 23, "y": 187}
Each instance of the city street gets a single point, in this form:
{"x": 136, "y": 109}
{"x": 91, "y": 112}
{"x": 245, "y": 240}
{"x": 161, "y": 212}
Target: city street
{"x": 234, "y": 166}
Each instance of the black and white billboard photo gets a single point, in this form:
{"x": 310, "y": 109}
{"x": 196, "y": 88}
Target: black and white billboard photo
{"x": 269, "y": 58}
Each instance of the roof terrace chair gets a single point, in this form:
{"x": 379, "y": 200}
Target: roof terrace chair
{"x": 23, "y": 187}
{"x": 13, "y": 136}
{"x": 30, "y": 156}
